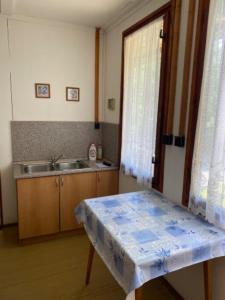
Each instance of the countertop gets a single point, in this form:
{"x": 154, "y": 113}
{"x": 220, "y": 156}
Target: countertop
{"x": 93, "y": 167}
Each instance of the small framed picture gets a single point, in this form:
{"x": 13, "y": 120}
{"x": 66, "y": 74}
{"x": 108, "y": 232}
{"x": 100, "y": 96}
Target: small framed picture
{"x": 42, "y": 90}
{"x": 72, "y": 94}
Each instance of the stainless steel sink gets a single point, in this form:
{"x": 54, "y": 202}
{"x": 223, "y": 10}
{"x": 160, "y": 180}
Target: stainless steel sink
{"x": 47, "y": 167}
{"x": 36, "y": 168}
{"x": 71, "y": 165}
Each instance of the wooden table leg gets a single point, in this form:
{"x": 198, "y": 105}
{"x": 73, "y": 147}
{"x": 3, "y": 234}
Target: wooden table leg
{"x": 90, "y": 261}
{"x": 138, "y": 294}
{"x": 207, "y": 267}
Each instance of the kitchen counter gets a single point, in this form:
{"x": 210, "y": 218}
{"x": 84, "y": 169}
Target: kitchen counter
{"x": 92, "y": 167}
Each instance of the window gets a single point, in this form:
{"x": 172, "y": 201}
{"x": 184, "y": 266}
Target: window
{"x": 142, "y": 64}
{"x": 207, "y": 189}
{"x": 148, "y": 56}
{"x": 148, "y": 85}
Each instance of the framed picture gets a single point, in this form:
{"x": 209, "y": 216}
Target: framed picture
{"x": 42, "y": 90}
{"x": 72, "y": 94}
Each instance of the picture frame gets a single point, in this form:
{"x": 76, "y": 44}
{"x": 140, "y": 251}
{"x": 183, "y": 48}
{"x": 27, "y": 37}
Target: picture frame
{"x": 72, "y": 94}
{"x": 42, "y": 90}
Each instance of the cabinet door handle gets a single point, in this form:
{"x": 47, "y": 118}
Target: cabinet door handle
{"x": 98, "y": 177}
{"x": 57, "y": 182}
{"x": 62, "y": 181}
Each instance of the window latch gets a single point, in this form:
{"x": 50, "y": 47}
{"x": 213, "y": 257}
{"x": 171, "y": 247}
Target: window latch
{"x": 154, "y": 160}
{"x": 162, "y": 34}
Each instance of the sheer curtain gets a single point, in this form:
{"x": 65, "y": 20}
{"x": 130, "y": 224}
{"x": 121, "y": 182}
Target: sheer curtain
{"x": 142, "y": 62}
{"x": 208, "y": 169}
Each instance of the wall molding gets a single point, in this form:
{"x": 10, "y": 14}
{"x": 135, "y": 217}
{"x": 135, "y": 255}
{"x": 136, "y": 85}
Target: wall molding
{"x": 124, "y": 13}
{"x": 48, "y": 22}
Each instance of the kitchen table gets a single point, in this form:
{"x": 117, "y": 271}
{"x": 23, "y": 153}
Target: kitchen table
{"x": 143, "y": 235}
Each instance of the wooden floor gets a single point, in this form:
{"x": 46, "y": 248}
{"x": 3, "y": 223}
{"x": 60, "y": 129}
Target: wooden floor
{"x": 55, "y": 270}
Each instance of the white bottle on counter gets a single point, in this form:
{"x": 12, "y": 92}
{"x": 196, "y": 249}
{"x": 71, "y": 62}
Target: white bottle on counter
{"x": 99, "y": 152}
{"x": 92, "y": 153}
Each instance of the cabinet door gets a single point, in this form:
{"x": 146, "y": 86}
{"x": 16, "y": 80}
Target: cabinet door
{"x": 38, "y": 206}
{"x": 107, "y": 183}
{"x": 74, "y": 189}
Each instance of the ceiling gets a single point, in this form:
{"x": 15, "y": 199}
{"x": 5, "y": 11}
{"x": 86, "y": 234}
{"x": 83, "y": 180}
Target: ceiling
{"x": 86, "y": 12}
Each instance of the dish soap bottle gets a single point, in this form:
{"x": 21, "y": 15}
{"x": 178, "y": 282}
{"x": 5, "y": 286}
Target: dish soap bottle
{"x": 92, "y": 152}
{"x": 99, "y": 152}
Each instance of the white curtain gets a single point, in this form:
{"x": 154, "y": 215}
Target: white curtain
{"x": 142, "y": 62}
{"x": 208, "y": 170}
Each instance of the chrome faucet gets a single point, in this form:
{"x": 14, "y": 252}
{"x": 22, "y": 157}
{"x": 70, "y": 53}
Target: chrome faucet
{"x": 54, "y": 159}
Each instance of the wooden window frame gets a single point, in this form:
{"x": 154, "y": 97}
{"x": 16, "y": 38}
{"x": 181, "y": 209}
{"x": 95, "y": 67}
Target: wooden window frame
{"x": 171, "y": 13}
{"x": 197, "y": 74}
{"x": 180, "y": 139}
{"x": 97, "y": 65}
{"x": 1, "y": 211}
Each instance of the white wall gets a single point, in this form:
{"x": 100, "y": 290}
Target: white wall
{"x": 189, "y": 281}
{"x": 59, "y": 54}
{"x": 41, "y": 51}
{"x": 8, "y": 186}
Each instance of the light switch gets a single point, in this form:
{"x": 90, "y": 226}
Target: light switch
{"x": 111, "y": 103}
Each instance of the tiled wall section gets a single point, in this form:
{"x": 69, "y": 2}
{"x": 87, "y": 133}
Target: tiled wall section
{"x": 41, "y": 140}
{"x": 110, "y": 141}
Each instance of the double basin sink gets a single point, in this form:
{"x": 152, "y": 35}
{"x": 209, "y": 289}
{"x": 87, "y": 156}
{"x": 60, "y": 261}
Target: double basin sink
{"x": 48, "y": 167}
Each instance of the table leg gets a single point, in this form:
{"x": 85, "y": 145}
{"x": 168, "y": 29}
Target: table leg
{"x": 138, "y": 293}
{"x": 207, "y": 267}
{"x": 90, "y": 261}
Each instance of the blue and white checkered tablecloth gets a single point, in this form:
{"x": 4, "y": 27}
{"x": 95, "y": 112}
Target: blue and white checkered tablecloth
{"x": 142, "y": 235}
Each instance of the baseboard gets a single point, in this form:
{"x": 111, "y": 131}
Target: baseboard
{"x": 171, "y": 289}
{"x": 49, "y": 237}
{"x": 8, "y": 225}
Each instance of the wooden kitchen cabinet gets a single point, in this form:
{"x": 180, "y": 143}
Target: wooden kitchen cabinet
{"x": 73, "y": 189}
{"x": 38, "y": 206}
{"x": 46, "y": 204}
{"x": 107, "y": 183}
{"x": 76, "y": 187}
